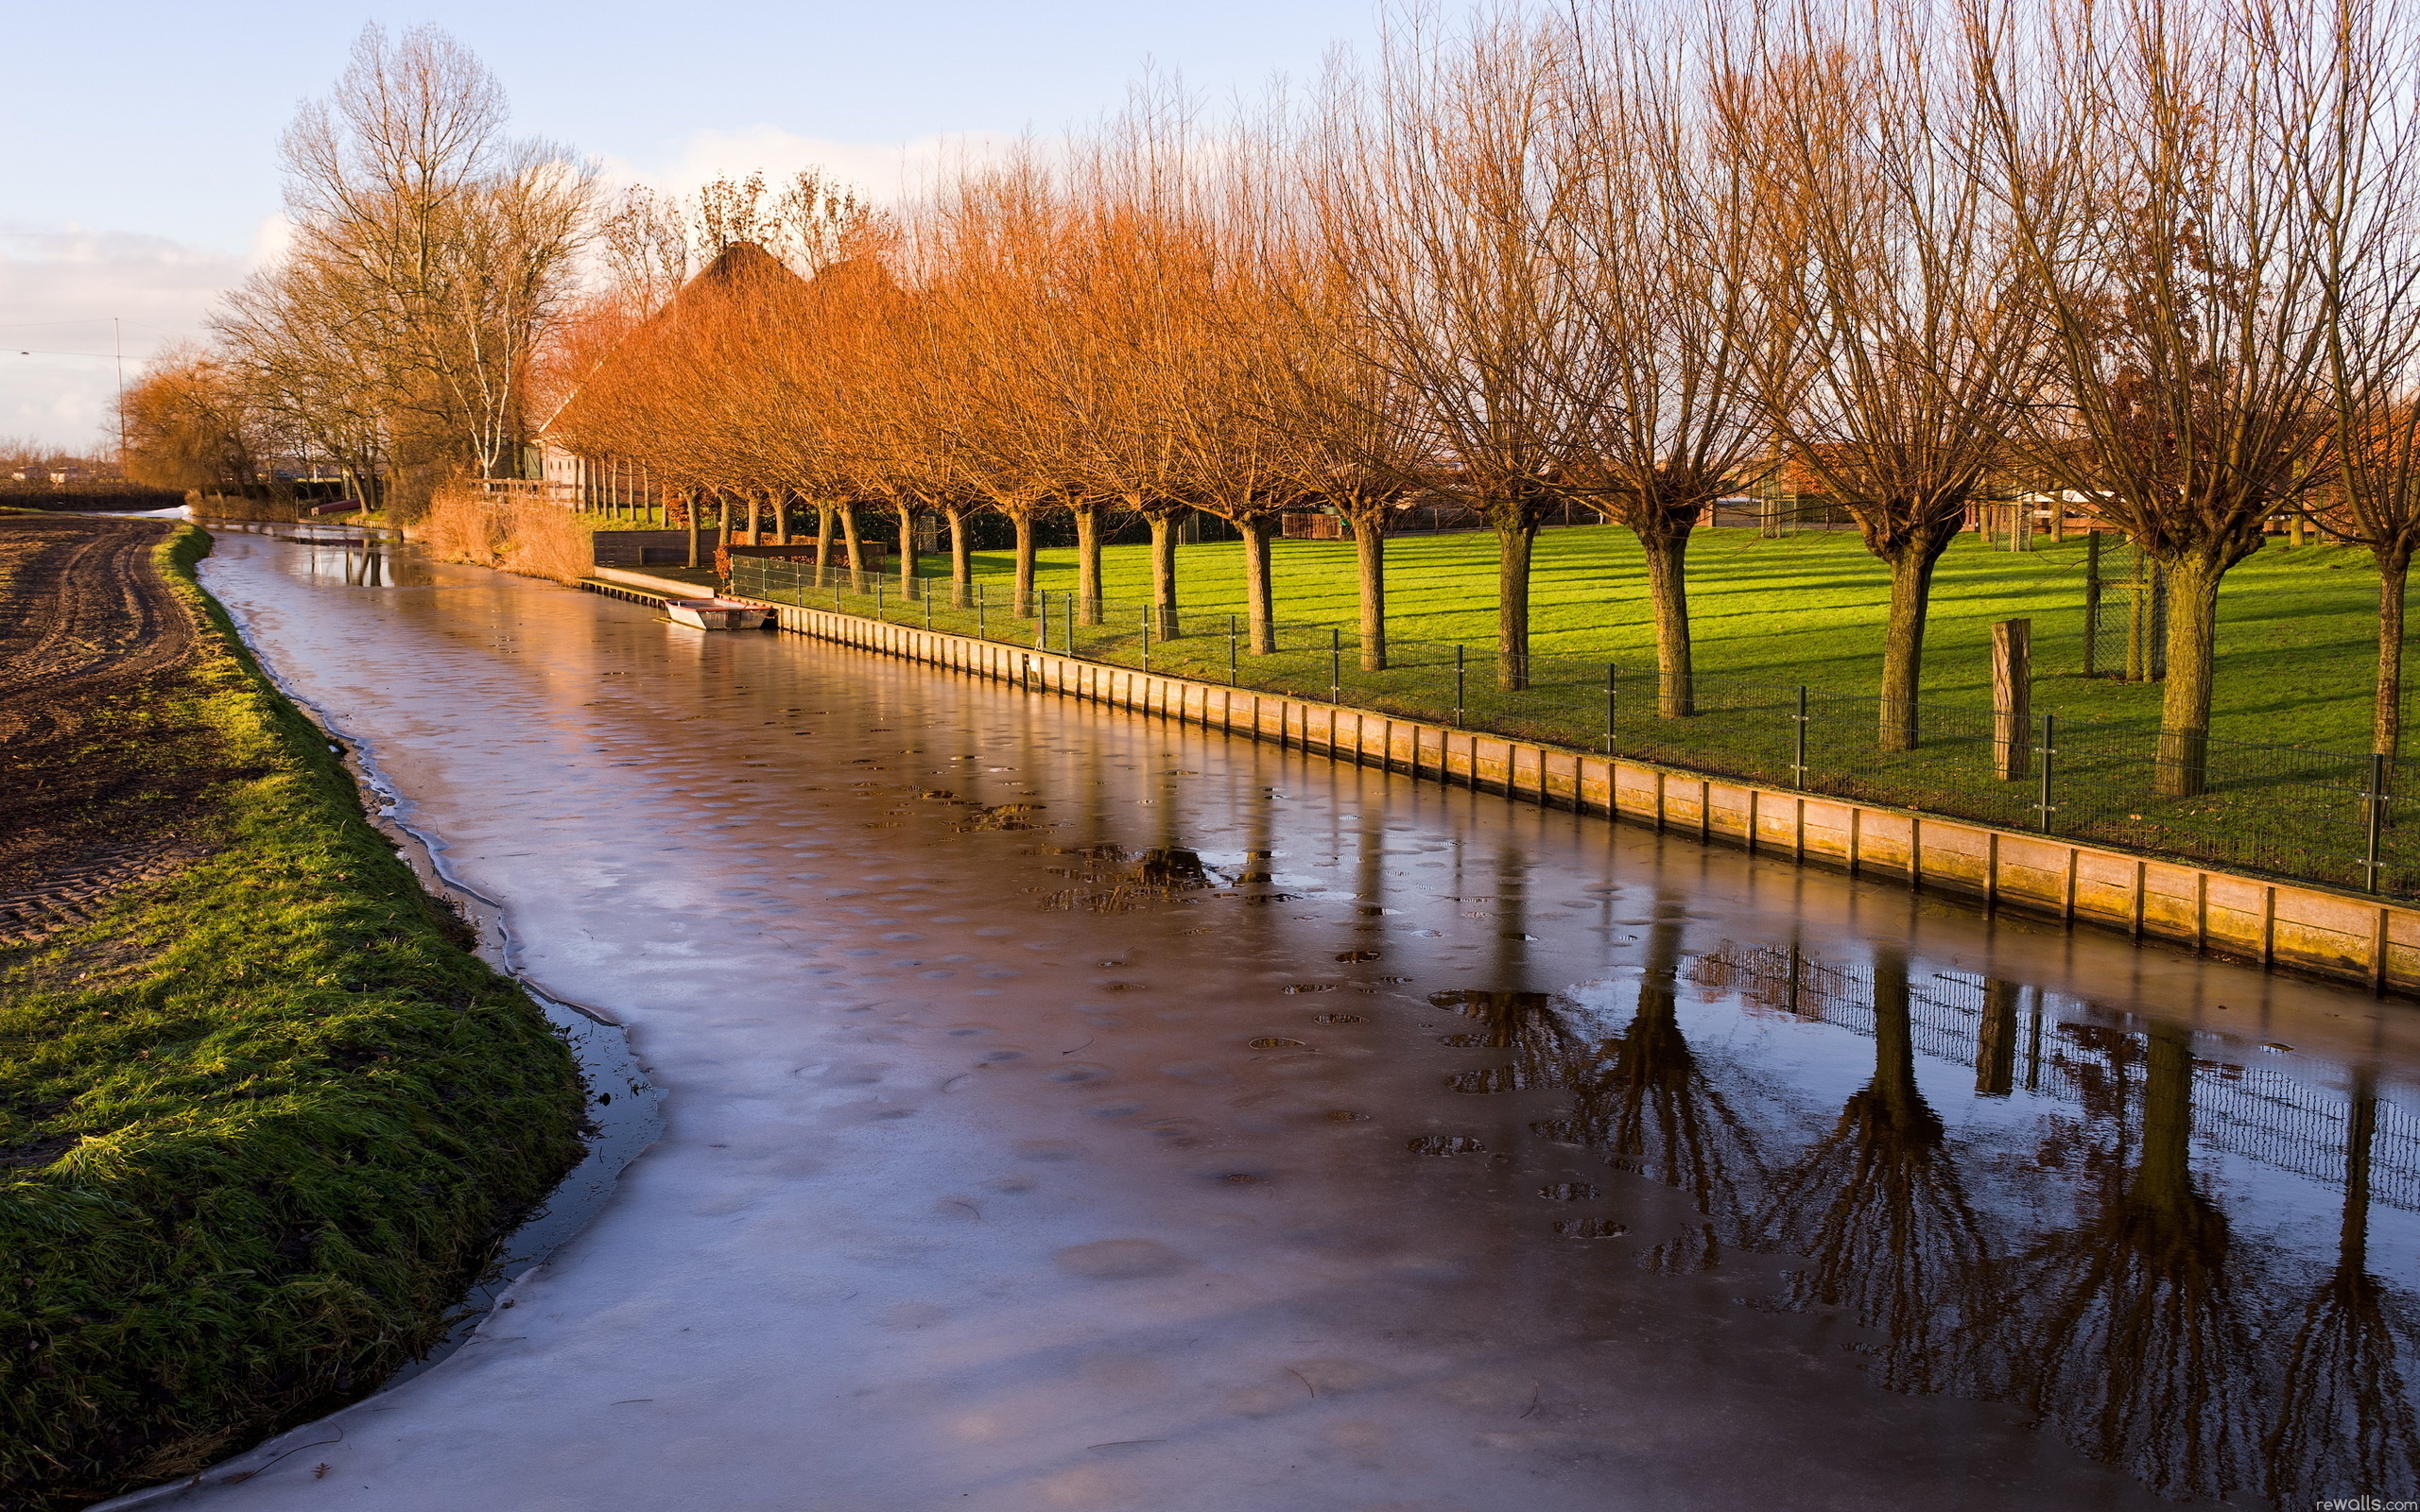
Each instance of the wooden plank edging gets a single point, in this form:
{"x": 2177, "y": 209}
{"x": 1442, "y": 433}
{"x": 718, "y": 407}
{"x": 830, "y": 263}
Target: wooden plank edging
{"x": 2342, "y": 936}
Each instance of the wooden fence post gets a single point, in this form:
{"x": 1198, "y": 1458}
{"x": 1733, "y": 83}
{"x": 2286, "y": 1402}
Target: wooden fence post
{"x": 2012, "y": 698}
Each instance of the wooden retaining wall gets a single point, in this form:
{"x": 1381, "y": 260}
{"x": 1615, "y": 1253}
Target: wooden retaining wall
{"x": 2344, "y": 935}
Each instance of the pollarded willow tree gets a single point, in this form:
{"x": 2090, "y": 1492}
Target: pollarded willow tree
{"x": 1907, "y": 302}
{"x": 2365, "y": 192}
{"x": 1448, "y": 199}
{"x": 1349, "y": 442}
{"x": 2153, "y": 156}
{"x": 1672, "y": 236}
{"x": 985, "y": 247}
{"x": 1122, "y": 318}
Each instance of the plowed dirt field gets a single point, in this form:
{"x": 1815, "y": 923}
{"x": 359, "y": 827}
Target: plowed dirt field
{"x": 90, "y": 636}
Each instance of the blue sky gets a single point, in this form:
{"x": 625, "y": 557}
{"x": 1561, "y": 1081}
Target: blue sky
{"x": 140, "y": 172}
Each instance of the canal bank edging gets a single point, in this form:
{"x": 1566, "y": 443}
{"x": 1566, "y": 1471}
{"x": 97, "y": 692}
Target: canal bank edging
{"x": 2338, "y": 935}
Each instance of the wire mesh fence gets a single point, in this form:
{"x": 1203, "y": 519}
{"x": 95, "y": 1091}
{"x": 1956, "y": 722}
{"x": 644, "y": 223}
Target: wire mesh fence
{"x": 2125, "y": 615}
{"x": 2329, "y": 817}
{"x": 1992, "y": 1026}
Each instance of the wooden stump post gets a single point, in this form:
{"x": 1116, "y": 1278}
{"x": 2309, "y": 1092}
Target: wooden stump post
{"x": 2012, "y": 699}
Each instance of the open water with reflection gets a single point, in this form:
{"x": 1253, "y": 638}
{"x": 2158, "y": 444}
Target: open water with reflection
{"x": 1070, "y": 1110}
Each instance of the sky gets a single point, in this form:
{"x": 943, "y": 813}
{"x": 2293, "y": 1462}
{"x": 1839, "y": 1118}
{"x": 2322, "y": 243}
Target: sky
{"x": 138, "y": 142}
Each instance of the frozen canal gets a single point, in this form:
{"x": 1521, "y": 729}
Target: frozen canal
{"x": 1066, "y": 1109}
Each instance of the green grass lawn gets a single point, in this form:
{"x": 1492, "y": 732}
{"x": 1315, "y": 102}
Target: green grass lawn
{"x": 2296, "y": 649}
{"x": 261, "y": 1120}
{"x": 2287, "y": 774}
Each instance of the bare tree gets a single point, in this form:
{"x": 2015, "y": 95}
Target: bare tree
{"x": 1448, "y": 199}
{"x": 985, "y": 264}
{"x": 2152, "y": 154}
{"x": 2365, "y": 197}
{"x": 1669, "y": 229}
{"x": 1350, "y": 444}
{"x": 457, "y": 242}
{"x": 1907, "y": 303}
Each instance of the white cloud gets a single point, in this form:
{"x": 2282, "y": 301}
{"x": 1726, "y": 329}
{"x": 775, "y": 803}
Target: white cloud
{"x": 59, "y": 290}
{"x": 888, "y": 172}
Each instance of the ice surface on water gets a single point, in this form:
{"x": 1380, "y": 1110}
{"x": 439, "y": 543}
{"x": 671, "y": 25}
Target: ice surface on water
{"x": 1017, "y": 1157}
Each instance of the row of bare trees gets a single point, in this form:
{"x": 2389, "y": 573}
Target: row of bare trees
{"x": 2157, "y": 255}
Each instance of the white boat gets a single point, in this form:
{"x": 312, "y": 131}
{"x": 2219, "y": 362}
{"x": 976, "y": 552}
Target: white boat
{"x": 718, "y": 613}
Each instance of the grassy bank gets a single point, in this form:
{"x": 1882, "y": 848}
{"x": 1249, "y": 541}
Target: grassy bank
{"x": 2296, "y": 643}
{"x": 260, "y": 1120}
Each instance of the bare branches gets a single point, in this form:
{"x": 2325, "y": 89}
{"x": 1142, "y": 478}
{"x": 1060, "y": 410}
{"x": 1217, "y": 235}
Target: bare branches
{"x": 431, "y": 257}
{"x": 2192, "y": 187}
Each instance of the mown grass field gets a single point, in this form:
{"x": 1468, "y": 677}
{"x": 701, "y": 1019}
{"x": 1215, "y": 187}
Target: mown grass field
{"x": 262, "y": 1118}
{"x": 2296, "y": 653}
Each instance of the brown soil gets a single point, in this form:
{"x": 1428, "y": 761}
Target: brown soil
{"x": 92, "y": 640}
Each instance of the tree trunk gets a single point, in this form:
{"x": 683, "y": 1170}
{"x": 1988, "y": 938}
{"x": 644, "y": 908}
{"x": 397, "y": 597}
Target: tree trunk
{"x": 823, "y": 541}
{"x": 1259, "y": 602}
{"x": 1668, "y": 591}
{"x": 1896, "y": 1094}
{"x": 1369, "y": 573}
{"x": 1903, "y": 646}
{"x": 1512, "y": 544}
{"x": 722, "y": 520}
{"x": 852, "y": 550}
{"x": 1164, "y": 576}
{"x": 962, "y": 559}
{"x": 2185, "y": 704}
{"x": 689, "y": 514}
{"x": 780, "y": 517}
{"x": 1023, "y": 519}
{"x": 2386, "y": 726}
{"x": 1087, "y": 562}
{"x": 2163, "y": 1179}
{"x": 907, "y": 552}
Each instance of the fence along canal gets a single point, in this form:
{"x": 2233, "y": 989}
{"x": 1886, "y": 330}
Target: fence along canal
{"x": 2085, "y": 791}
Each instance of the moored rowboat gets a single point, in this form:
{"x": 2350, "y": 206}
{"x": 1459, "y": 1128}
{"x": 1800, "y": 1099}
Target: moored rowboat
{"x": 718, "y": 613}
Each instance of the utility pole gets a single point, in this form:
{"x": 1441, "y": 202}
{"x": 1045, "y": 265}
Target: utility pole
{"x": 118, "y": 338}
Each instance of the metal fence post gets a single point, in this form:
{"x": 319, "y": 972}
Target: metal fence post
{"x": 2091, "y": 603}
{"x": 982, "y": 624}
{"x": 1067, "y": 613}
{"x": 928, "y": 594}
{"x": 2375, "y": 820}
{"x": 1610, "y": 671}
{"x": 1230, "y": 653}
{"x": 1458, "y": 685}
{"x": 1147, "y": 637}
{"x": 1042, "y": 621}
{"x": 1334, "y": 664}
{"x": 2042, "y": 805}
{"x": 878, "y": 600}
{"x": 1798, "y": 747}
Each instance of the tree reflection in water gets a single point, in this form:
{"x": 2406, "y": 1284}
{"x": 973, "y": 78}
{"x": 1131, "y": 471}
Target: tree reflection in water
{"x": 2133, "y": 1320}
{"x": 1880, "y": 1209}
{"x": 1649, "y": 1104}
{"x": 2128, "y": 1330}
{"x": 2345, "y": 1423}
{"x": 1535, "y": 1027}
